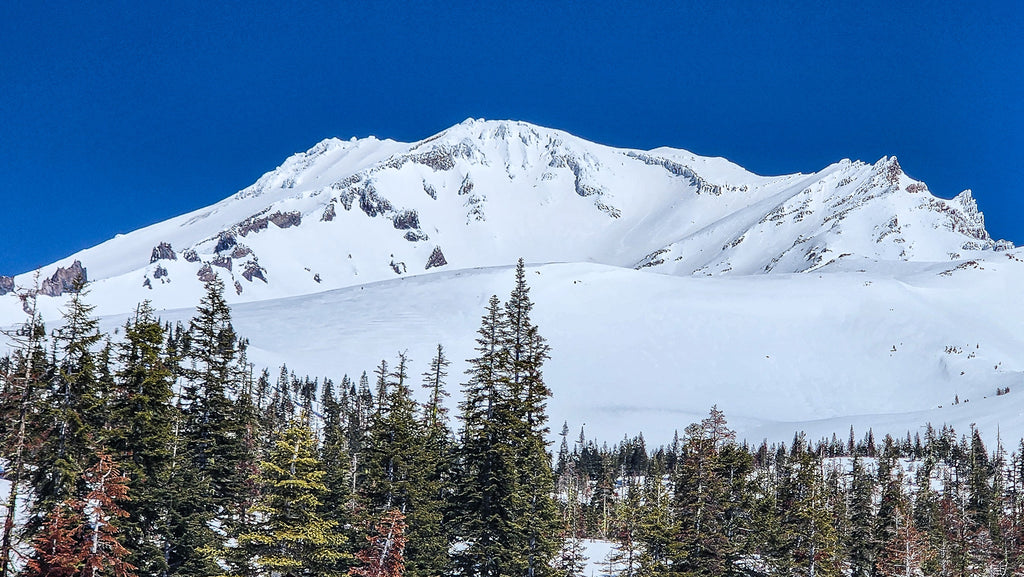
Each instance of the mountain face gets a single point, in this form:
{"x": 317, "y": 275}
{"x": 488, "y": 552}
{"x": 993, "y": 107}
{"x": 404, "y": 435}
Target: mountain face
{"x": 815, "y": 301}
{"x": 484, "y": 193}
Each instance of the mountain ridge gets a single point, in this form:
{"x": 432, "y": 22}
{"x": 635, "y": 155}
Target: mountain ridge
{"x": 343, "y": 213}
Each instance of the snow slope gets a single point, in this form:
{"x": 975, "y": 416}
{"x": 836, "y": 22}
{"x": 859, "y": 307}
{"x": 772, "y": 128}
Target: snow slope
{"x": 851, "y": 295}
{"x": 639, "y": 352}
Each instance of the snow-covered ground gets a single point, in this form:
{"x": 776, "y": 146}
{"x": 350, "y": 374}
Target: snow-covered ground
{"x": 596, "y": 552}
{"x": 633, "y": 351}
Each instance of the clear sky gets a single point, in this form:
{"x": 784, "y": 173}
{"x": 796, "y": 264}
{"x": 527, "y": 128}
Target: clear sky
{"x": 116, "y": 115}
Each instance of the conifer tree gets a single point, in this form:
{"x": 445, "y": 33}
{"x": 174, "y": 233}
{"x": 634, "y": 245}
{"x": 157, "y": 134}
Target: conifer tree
{"x": 210, "y": 445}
{"x": 24, "y": 377}
{"x": 861, "y": 542}
{"x": 655, "y": 531}
{"x": 57, "y": 548}
{"x": 485, "y": 495}
{"x": 384, "y": 555}
{"x": 79, "y": 537}
{"x": 526, "y": 353}
{"x": 100, "y": 510}
{"x": 400, "y": 474}
{"x": 434, "y": 412}
{"x": 907, "y": 552}
{"x": 626, "y": 529}
{"x": 507, "y": 516}
{"x": 570, "y": 560}
{"x": 213, "y": 431}
{"x": 708, "y": 503}
{"x": 293, "y": 538}
{"x": 809, "y": 521}
{"x": 140, "y": 435}
{"x": 70, "y": 412}
{"x": 337, "y": 505}
{"x": 891, "y": 494}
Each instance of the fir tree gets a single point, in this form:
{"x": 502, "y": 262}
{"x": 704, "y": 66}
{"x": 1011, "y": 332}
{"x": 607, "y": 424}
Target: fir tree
{"x": 384, "y": 556}
{"x": 214, "y": 433}
{"x": 434, "y": 412}
{"x": 293, "y": 538}
{"x": 526, "y": 353}
{"x": 809, "y": 521}
{"x": 907, "y": 551}
{"x": 100, "y": 510}
{"x": 70, "y": 414}
{"x": 626, "y": 529}
{"x": 209, "y": 445}
{"x": 861, "y": 543}
{"x": 655, "y": 531}
{"x": 485, "y": 495}
{"x": 401, "y": 474}
{"x": 709, "y": 523}
{"x": 337, "y": 498}
{"x": 140, "y": 435}
{"x": 57, "y": 548}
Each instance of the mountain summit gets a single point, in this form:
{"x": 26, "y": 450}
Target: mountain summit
{"x": 483, "y": 193}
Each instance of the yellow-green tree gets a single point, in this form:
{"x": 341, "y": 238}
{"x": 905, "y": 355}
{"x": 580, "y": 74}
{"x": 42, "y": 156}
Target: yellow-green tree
{"x": 292, "y": 538}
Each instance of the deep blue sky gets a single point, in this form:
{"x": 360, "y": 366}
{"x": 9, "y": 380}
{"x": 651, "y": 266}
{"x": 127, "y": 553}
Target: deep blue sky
{"x": 115, "y": 115}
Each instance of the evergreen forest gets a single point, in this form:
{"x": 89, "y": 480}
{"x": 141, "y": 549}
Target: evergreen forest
{"x": 159, "y": 451}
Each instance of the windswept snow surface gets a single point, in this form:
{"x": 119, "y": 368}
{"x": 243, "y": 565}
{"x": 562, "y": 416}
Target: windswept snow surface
{"x": 675, "y": 282}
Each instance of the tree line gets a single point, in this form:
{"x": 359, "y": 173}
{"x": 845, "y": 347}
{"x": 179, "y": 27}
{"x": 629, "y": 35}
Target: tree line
{"x": 707, "y": 504}
{"x": 158, "y": 451}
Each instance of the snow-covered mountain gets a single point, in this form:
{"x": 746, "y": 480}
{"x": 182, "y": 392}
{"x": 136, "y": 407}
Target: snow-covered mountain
{"x": 484, "y": 193}
{"x": 848, "y": 291}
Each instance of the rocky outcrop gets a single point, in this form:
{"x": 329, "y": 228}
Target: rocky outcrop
{"x": 398, "y": 267}
{"x": 226, "y": 241}
{"x": 406, "y": 220}
{"x": 430, "y": 190}
{"x": 222, "y": 262}
{"x": 238, "y": 288}
{"x": 416, "y": 235}
{"x": 241, "y": 251}
{"x": 702, "y": 186}
{"x": 206, "y": 273}
{"x": 329, "y": 213}
{"x": 6, "y": 285}
{"x": 64, "y": 280}
{"x": 436, "y": 259}
{"x": 160, "y": 272}
{"x": 251, "y": 224}
{"x": 253, "y": 270}
{"x": 190, "y": 255}
{"x": 439, "y": 158}
{"x": 286, "y": 219}
{"x": 162, "y": 251}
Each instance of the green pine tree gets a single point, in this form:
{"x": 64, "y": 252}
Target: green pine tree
{"x": 709, "y": 503}
{"x": 861, "y": 542}
{"x": 485, "y": 495}
{"x": 292, "y": 537}
{"x": 337, "y": 505}
{"x": 528, "y": 427}
{"x": 70, "y": 413}
{"x": 400, "y": 474}
{"x": 140, "y": 435}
